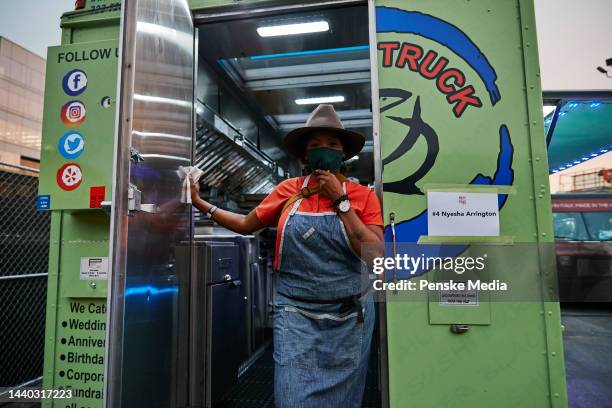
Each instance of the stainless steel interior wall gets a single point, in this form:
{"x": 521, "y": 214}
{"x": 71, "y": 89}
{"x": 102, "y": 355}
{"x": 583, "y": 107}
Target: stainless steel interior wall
{"x": 222, "y": 96}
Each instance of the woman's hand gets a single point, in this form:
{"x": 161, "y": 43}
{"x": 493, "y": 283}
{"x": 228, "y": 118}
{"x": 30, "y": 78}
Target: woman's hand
{"x": 330, "y": 185}
{"x": 242, "y": 224}
{"x": 195, "y": 189}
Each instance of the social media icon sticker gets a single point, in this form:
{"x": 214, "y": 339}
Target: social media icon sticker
{"x": 71, "y": 145}
{"x": 69, "y": 176}
{"x": 73, "y": 113}
{"x": 75, "y": 82}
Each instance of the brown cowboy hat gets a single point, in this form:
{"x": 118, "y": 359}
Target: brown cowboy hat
{"x": 324, "y": 117}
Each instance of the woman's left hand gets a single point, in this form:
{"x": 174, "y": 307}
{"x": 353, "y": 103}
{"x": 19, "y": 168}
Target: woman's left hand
{"x": 330, "y": 185}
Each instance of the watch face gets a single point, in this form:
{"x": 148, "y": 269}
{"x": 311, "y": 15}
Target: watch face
{"x": 344, "y": 206}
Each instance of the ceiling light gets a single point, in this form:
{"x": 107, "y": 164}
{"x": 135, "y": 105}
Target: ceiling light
{"x": 316, "y": 101}
{"x": 293, "y": 29}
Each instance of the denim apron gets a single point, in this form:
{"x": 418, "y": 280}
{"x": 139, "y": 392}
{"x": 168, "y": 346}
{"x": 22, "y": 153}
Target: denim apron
{"x": 322, "y": 325}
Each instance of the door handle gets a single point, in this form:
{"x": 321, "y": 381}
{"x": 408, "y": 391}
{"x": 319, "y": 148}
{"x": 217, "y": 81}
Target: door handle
{"x": 135, "y": 202}
{"x": 106, "y": 206}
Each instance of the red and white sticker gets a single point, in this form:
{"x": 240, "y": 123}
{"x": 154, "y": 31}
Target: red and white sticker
{"x": 69, "y": 176}
{"x": 96, "y": 196}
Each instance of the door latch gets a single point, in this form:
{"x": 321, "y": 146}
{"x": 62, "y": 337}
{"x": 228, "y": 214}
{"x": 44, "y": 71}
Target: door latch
{"x": 135, "y": 202}
{"x": 394, "y": 246}
{"x": 459, "y": 328}
{"x": 106, "y": 206}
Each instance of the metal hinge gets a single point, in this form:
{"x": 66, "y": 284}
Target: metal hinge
{"x": 135, "y": 156}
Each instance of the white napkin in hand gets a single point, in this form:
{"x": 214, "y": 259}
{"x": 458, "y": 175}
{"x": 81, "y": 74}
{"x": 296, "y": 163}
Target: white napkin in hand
{"x": 186, "y": 172}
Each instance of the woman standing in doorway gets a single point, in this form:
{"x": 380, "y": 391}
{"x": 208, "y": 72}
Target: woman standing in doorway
{"x": 323, "y": 317}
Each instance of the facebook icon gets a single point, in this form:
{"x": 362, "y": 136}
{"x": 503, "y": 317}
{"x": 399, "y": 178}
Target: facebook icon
{"x": 75, "y": 82}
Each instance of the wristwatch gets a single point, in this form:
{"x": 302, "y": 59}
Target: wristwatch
{"x": 342, "y": 203}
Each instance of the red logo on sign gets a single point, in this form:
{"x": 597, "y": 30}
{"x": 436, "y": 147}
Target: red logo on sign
{"x": 96, "y": 196}
{"x": 69, "y": 176}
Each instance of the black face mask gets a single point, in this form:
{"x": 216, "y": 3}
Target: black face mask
{"x": 324, "y": 158}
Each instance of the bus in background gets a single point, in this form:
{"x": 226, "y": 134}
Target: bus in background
{"x": 583, "y": 243}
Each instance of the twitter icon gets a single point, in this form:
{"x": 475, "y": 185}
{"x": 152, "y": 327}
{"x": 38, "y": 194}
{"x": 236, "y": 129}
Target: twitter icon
{"x": 71, "y": 145}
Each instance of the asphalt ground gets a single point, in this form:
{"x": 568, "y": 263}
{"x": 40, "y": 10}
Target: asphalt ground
{"x": 587, "y": 342}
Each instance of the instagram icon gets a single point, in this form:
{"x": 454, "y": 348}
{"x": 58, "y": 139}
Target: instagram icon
{"x": 73, "y": 113}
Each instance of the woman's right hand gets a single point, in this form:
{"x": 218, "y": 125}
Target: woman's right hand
{"x": 242, "y": 224}
{"x": 194, "y": 188}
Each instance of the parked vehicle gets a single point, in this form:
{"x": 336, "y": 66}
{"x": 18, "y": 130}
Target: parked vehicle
{"x": 583, "y": 242}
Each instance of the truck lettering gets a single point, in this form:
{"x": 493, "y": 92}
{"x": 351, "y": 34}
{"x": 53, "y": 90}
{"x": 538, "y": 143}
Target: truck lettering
{"x": 429, "y": 65}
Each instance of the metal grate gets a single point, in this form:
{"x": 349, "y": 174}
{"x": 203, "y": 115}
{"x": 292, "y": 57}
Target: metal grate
{"x": 24, "y": 253}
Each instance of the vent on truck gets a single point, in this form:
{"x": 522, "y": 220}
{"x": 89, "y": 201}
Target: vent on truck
{"x": 229, "y": 161}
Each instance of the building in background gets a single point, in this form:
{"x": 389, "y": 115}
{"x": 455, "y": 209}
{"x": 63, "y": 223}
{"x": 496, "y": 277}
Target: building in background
{"x": 594, "y": 175}
{"x": 22, "y": 81}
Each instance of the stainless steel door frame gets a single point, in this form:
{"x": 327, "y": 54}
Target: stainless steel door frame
{"x": 383, "y": 360}
{"x": 201, "y": 18}
{"x": 111, "y": 395}
{"x": 155, "y": 98}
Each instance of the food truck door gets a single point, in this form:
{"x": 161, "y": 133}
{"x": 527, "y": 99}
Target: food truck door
{"x": 150, "y": 219}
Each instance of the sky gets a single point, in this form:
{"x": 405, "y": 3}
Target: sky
{"x": 573, "y": 36}
{"x": 33, "y": 24}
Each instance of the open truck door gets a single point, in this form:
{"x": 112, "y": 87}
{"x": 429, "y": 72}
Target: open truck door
{"x": 150, "y": 217}
{"x": 460, "y": 119}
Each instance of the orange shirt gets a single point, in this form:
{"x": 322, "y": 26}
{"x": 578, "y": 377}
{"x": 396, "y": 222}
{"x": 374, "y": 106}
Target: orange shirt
{"x": 363, "y": 200}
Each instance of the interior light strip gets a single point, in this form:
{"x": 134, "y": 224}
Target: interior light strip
{"x": 316, "y": 101}
{"x": 293, "y": 29}
{"x": 311, "y": 52}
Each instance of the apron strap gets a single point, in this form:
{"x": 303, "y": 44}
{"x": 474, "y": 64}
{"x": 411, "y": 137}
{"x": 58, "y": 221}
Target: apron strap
{"x": 307, "y": 191}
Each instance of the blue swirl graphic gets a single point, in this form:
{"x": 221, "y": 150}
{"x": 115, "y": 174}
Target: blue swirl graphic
{"x": 413, "y": 22}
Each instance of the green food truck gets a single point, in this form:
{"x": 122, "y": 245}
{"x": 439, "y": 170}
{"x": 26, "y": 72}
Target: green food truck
{"x": 150, "y": 304}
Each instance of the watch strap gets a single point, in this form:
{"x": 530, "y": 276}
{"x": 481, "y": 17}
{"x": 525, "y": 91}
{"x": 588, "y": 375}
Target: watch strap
{"x": 338, "y": 200}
